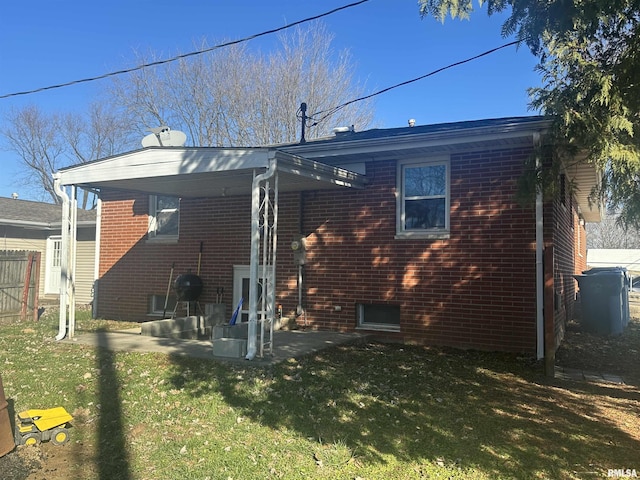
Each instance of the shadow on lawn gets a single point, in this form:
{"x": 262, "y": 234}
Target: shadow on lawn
{"x": 476, "y": 411}
{"x": 112, "y": 458}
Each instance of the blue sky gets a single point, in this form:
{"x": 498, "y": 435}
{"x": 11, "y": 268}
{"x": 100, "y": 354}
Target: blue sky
{"x": 56, "y": 41}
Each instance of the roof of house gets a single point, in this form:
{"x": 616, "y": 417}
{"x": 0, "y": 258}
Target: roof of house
{"x": 348, "y": 134}
{"x": 339, "y": 160}
{"x": 27, "y": 213}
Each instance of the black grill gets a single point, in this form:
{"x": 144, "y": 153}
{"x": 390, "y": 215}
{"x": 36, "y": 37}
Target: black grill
{"x": 188, "y": 287}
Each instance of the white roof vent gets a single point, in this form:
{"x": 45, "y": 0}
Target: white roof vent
{"x": 339, "y": 131}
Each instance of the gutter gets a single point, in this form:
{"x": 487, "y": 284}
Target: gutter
{"x": 252, "y": 333}
{"x": 96, "y": 264}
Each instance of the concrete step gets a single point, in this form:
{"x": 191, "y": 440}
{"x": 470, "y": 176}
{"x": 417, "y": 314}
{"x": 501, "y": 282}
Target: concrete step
{"x": 229, "y": 347}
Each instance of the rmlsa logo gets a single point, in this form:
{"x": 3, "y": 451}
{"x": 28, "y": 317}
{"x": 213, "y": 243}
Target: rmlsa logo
{"x": 622, "y": 473}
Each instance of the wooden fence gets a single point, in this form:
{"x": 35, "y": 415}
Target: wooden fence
{"x": 19, "y": 280}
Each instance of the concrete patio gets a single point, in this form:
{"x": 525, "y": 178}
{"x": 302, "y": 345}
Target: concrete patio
{"x": 286, "y": 344}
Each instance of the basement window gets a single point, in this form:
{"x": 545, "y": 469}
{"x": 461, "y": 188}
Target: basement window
{"x": 164, "y": 218}
{"x": 157, "y": 302}
{"x": 373, "y": 316}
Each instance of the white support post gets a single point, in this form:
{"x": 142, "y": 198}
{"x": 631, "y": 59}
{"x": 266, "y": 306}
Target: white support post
{"x": 264, "y": 280}
{"x": 73, "y": 237}
{"x": 255, "y": 257}
{"x": 274, "y": 244}
{"x": 269, "y": 247}
{"x": 64, "y": 260}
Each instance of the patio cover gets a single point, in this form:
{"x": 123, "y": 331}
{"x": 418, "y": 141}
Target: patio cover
{"x": 191, "y": 172}
{"x": 204, "y": 172}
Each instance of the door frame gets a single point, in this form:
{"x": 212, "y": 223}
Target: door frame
{"x": 240, "y": 273}
{"x": 51, "y": 271}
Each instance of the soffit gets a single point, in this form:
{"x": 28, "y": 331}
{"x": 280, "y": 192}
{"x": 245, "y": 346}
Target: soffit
{"x": 584, "y": 178}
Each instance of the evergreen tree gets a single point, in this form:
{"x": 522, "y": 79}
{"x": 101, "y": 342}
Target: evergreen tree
{"x": 589, "y": 54}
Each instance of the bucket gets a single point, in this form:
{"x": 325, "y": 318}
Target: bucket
{"x": 6, "y": 434}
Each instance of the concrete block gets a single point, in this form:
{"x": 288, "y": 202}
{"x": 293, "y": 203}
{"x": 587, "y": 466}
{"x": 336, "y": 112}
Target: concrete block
{"x": 169, "y": 326}
{"x": 215, "y": 313}
{"x": 192, "y": 327}
{"x": 229, "y": 347}
{"x": 239, "y": 330}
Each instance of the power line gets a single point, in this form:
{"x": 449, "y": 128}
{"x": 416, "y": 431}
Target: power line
{"x": 333, "y": 110}
{"x": 185, "y": 55}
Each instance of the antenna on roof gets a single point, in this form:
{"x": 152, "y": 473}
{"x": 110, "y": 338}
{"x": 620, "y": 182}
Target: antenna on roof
{"x": 164, "y": 137}
{"x": 303, "y": 110}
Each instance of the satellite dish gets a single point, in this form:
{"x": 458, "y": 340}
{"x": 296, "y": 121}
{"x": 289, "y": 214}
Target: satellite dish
{"x": 164, "y": 137}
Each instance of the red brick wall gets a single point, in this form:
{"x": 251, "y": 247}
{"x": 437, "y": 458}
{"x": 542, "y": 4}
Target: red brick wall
{"x": 473, "y": 290}
{"x": 570, "y": 256}
{"x": 132, "y": 268}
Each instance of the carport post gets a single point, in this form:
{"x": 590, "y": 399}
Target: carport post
{"x": 255, "y": 257}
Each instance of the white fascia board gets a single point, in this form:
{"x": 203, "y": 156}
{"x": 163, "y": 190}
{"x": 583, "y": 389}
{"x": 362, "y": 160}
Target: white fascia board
{"x": 164, "y": 162}
{"x": 421, "y": 140}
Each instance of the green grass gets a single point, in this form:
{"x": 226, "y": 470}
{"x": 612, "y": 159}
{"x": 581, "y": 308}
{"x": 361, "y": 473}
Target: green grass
{"x": 371, "y": 411}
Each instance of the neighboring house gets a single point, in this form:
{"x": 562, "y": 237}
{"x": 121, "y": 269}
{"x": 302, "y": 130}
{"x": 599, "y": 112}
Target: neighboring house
{"x": 628, "y": 258}
{"x": 35, "y": 227}
{"x": 412, "y": 234}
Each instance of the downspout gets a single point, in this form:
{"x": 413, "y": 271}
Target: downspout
{"x": 62, "y": 324}
{"x": 539, "y": 257}
{"x": 71, "y": 267}
{"x": 96, "y": 264}
{"x": 255, "y": 258}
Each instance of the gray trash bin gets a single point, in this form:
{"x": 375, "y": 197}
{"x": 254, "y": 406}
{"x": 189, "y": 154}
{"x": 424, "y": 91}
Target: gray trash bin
{"x": 604, "y": 293}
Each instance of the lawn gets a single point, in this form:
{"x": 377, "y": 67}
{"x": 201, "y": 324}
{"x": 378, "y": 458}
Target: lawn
{"x": 364, "y": 411}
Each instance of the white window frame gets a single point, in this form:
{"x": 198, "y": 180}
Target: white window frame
{"x": 430, "y": 233}
{"x": 153, "y": 234}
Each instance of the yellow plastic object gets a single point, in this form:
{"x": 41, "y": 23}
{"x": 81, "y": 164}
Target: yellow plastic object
{"x": 42, "y": 425}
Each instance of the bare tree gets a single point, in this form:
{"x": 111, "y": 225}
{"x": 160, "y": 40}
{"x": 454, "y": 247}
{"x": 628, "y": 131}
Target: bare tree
{"x": 611, "y": 233}
{"x": 228, "y": 97}
{"x": 235, "y": 97}
{"x": 47, "y": 142}
{"x": 99, "y": 133}
{"x": 35, "y": 137}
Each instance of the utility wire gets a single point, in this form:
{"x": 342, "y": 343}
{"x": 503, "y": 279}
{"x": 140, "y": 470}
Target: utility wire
{"x": 185, "y": 55}
{"x": 333, "y": 110}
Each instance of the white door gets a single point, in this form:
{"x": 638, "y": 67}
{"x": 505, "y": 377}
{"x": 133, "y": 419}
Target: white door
{"x": 241, "y": 280}
{"x": 52, "y": 270}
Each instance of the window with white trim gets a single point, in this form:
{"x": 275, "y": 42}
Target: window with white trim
{"x": 423, "y": 198}
{"x": 164, "y": 217}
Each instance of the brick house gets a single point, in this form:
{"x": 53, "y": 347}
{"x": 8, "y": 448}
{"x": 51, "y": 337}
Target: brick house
{"x": 412, "y": 234}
